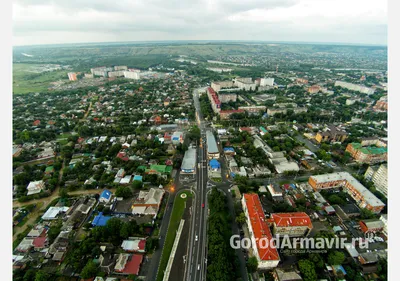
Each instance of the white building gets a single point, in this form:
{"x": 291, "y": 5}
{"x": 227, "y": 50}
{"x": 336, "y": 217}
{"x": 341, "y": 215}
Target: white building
{"x": 132, "y": 75}
{"x": 266, "y": 82}
{"x": 35, "y": 187}
{"x": 379, "y": 177}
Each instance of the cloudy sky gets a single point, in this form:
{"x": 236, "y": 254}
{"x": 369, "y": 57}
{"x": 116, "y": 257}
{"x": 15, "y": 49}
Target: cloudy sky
{"x": 78, "y": 21}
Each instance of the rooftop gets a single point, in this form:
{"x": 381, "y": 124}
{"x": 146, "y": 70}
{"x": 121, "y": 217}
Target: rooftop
{"x": 370, "y": 198}
{"x": 189, "y": 160}
{"x": 291, "y": 219}
{"x": 260, "y": 226}
{"x": 211, "y": 143}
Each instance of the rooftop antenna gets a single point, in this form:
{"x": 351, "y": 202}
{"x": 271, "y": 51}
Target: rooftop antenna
{"x": 277, "y": 68}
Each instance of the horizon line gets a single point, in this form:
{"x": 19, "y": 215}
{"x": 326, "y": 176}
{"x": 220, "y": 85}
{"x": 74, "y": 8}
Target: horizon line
{"x": 209, "y": 41}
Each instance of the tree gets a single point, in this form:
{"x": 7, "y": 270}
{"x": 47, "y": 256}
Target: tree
{"x": 41, "y": 276}
{"x": 89, "y": 270}
{"x": 252, "y": 264}
{"x": 241, "y": 218}
{"x": 123, "y": 191}
{"x": 307, "y": 270}
{"x": 137, "y": 184}
{"x": 335, "y": 258}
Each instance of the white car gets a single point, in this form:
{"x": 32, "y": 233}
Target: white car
{"x": 197, "y": 238}
{"x": 198, "y": 267}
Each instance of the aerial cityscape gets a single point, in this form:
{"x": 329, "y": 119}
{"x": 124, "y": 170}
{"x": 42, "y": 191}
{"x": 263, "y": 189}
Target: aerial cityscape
{"x": 199, "y": 159}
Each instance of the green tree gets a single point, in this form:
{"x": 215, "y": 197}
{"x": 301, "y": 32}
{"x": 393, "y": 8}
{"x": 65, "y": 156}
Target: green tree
{"x": 89, "y": 270}
{"x": 41, "y": 276}
{"x": 123, "y": 191}
{"x": 137, "y": 184}
{"x": 335, "y": 258}
{"x": 307, "y": 270}
{"x": 241, "y": 218}
{"x": 252, "y": 264}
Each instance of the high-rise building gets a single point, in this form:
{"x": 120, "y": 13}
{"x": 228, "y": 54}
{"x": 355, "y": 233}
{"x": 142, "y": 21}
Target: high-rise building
{"x": 379, "y": 177}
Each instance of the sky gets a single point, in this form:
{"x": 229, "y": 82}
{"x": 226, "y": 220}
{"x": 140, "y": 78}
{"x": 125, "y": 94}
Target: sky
{"x": 83, "y": 21}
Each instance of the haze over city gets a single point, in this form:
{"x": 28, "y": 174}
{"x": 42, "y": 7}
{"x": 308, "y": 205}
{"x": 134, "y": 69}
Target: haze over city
{"x": 330, "y": 21}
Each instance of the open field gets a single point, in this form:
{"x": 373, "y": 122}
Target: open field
{"x": 26, "y": 79}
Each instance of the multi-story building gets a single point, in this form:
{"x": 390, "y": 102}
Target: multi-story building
{"x": 120, "y": 67}
{"x": 117, "y": 73}
{"x": 253, "y": 109}
{"x": 296, "y": 110}
{"x": 331, "y": 133}
{"x": 367, "y": 154}
{"x": 354, "y": 87}
{"x": 246, "y": 84}
{"x": 267, "y": 82}
{"x": 379, "y": 177}
{"x": 363, "y": 197}
{"x": 218, "y": 85}
{"x": 227, "y": 97}
{"x": 72, "y": 76}
{"x": 132, "y": 75}
{"x": 296, "y": 224}
{"x": 380, "y": 142}
{"x": 266, "y": 255}
{"x": 214, "y": 100}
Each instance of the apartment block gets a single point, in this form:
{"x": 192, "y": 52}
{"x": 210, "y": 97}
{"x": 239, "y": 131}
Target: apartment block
{"x": 379, "y": 177}
{"x": 363, "y": 197}
{"x": 367, "y": 154}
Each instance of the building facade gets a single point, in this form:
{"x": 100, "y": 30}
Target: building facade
{"x": 363, "y": 197}
{"x": 297, "y": 224}
{"x": 379, "y": 177}
{"x": 367, "y": 154}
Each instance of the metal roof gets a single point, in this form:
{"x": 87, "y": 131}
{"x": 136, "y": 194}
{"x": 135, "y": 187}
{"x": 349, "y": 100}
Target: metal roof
{"x": 189, "y": 160}
{"x": 211, "y": 143}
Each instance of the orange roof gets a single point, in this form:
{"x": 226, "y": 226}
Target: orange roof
{"x": 260, "y": 227}
{"x": 291, "y": 219}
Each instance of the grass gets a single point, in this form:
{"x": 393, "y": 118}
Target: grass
{"x": 176, "y": 215}
{"x": 25, "y": 81}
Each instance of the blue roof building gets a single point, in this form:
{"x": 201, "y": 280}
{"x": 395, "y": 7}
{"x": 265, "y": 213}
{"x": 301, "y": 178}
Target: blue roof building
{"x": 105, "y": 196}
{"x": 214, "y": 164}
{"x": 138, "y": 178}
{"x": 100, "y": 220}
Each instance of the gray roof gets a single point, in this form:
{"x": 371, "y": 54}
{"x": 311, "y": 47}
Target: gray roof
{"x": 211, "y": 143}
{"x": 189, "y": 160}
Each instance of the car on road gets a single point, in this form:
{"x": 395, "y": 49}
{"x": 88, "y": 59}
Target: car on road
{"x": 198, "y": 267}
{"x": 202, "y": 205}
{"x": 197, "y": 238}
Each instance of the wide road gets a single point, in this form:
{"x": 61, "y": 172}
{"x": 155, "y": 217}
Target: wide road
{"x": 196, "y": 267}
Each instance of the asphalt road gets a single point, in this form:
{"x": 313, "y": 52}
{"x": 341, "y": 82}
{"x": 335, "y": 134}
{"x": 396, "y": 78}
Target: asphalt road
{"x": 196, "y": 268}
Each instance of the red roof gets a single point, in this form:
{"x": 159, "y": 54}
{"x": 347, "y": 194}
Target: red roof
{"x": 260, "y": 227}
{"x": 39, "y": 242}
{"x": 291, "y": 219}
{"x": 36, "y": 123}
{"x": 214, "y": 96}
{"x": 133, "y": 265}
{"x": 142, "y": 244}
{"x": 247, "y": 129}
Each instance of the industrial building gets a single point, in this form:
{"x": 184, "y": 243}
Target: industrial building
{"x": 212, "y": 148}
{"x": 267, "y": 256}
{"x": 363, "y": 197}
{"x": 189, "y": 162}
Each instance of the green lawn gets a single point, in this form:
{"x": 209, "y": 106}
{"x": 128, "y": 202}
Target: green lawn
{"x": 26, "y": 81}
{"x": 176, "y": 216}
